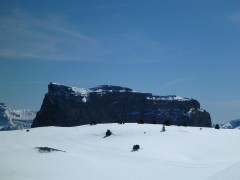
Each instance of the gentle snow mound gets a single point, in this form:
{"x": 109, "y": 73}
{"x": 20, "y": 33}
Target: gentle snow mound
{"x": 230, "y": 173}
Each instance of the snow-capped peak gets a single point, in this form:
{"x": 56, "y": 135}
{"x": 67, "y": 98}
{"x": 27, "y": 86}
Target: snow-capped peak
{"x": 233, "y": 124}
{"x": 15, "y": 119}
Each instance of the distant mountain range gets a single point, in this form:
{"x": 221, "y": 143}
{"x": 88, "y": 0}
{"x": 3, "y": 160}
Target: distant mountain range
{"x": 233, "y": 124}
{"x": 15, "y": 119}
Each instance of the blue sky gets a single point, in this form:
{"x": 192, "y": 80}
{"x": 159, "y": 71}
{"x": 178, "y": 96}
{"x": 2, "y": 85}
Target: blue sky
{"x": 187, "y": 48}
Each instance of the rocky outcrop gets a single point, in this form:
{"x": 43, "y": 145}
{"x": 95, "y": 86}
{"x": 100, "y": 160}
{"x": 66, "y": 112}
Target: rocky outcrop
{"x": 70, "y": 106}
{"x": 15, "y": 119}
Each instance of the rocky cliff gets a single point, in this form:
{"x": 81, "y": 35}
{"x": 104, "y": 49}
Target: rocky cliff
{"x": 70, "y": 106}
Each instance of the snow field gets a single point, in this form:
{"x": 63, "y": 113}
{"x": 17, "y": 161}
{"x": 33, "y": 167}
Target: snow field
{"x": 179, "y": 153}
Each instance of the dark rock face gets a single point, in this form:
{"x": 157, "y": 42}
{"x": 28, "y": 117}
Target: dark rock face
{"x": 69, "y": 106}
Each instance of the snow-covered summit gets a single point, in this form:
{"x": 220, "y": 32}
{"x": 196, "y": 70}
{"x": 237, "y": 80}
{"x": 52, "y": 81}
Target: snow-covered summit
{"x": 171, "y": 98}
{"x": 100, "y": 88}
{"x": 60, "y": 89}
{"x": 111, "y": 88}
{"x": 233, "y": 124}
{"x": 63, "y": 90}
{"x": 15, "y": 119}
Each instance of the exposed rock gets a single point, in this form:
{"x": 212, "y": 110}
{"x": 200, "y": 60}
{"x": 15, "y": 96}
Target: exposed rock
{"x": 135, "y": 147}
{"x": 70, "y": 106}
{"x": 47, "y": 149}
{"x": 108, "y": 133}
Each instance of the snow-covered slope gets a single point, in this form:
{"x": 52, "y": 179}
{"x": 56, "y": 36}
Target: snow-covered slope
{"x": 15, "y": 119}
{"x": 182, "y": 153}
{"x": 230, "y": 173}
{"x": 233, "y": 124}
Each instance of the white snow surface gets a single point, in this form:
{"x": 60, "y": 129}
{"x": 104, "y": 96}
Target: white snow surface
{"x": 180, "y": 153}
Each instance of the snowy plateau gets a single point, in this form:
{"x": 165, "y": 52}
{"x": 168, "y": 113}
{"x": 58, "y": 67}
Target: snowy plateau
{"x": 179, "y": 153}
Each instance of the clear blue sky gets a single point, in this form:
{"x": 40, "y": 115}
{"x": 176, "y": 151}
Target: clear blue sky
{"x": 189, "y": 48}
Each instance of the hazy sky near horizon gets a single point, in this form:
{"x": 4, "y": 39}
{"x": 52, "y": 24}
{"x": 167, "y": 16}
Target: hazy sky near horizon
{"x": 165, "y": 47}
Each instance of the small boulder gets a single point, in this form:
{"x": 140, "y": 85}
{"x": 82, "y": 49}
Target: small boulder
{"x": 108, "y": 133}
{"x": 136, "y": 147}
{"x": 163, "y": 129}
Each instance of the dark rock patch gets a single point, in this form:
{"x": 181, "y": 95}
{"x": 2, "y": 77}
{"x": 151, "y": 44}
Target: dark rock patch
{"x": 47, "y": 149}
{"x": 136, "y": 147}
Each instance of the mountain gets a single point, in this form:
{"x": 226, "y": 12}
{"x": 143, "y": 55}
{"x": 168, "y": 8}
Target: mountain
{"x": 179, "y": 153}
{"x": 233, "y": 124}
{"x": 15, "y": 119}
{"x": 71, "y": 106}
